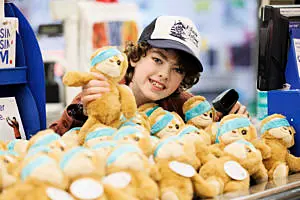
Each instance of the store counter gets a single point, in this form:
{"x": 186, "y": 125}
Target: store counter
{"x": 288, "y": 188}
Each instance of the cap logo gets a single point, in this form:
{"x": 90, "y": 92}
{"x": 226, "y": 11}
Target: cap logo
{"x": 184, "y": 33}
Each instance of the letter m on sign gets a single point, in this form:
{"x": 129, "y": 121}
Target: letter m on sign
{"x": 4, "y": 56}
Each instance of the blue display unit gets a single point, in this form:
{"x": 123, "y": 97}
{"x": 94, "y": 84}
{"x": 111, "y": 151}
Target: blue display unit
{"x": 26, "y": 82}
{"x": 285, "y": 102}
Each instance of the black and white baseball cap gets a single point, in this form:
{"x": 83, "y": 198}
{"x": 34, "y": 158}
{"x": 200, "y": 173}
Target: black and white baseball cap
{"x": 174, "y": 32}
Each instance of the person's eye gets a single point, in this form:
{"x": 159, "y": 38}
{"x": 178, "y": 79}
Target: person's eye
{"x": 157, "y": 60}
{"x": 179, "y": 70}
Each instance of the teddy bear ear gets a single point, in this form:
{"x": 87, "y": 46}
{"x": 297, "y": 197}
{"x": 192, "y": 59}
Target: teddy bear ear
{"x": 187, "y": 105}
{"x": 153, "y": 117}
{"x": 269, "y": 118}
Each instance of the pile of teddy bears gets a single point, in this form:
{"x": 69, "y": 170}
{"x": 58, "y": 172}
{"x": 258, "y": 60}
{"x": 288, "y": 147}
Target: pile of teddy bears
{"x": 153, "y": 155}
{"x": 146, "y": 153}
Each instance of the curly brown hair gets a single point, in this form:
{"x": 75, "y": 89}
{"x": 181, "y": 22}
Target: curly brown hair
{"x": 134, "y": 52}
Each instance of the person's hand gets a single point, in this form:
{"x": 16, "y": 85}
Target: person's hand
{"x": 94, "y": 89}
{"x": 238, "y": 108}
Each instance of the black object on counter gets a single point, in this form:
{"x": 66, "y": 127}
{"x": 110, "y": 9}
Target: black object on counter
{"x": 225, "y": 101}
{"x": 273, "y": 48}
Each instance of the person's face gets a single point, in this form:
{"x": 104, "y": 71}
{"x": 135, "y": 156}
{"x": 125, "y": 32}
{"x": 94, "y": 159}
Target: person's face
{"x": 156, "y": 76}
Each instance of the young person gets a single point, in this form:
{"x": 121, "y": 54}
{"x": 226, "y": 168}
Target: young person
{"x": 162, "y": 66}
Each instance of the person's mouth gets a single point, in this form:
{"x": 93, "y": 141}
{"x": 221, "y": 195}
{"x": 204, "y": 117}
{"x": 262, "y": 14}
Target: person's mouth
{"x": 157, "y": 84}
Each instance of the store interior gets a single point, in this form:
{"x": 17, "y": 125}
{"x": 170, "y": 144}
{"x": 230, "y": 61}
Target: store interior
{"x": 69, "y": 31}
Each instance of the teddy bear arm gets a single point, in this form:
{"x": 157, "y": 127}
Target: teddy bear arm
{"x": 261, "y": 175}
{"x": 234, "y": 185}
{"x": 263, "y": 148}
{"x": 116, "y": 194}
{"x": 293, "y": 162}
{"x": 210, "y": 187}
{"x": 216, "y": 150}
{"x": 77, "y": 79}
{"x": 128, "y": 104}
{"x": 154, "y": 173}
{"x": 203, "y": 153}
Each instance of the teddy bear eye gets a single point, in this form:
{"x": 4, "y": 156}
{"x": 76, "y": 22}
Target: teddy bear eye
{"x": 248, "y": 150}
{"x": 244, "y": 132}
{"x": 136, "y": 138}
{"x": 176, "y": 126}
{"x": 210, "y": 114}
{"x": 119, "y": 62}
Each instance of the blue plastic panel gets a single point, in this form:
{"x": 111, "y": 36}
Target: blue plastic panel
{"x": 13, "y": 75}
{"x": 287, "y": 103}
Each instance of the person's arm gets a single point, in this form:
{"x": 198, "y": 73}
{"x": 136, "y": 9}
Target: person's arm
{"x": 72, "y": 117}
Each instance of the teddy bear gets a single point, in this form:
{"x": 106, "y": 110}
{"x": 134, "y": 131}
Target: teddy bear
{"x": 43, "y": 168}
{"x": 278, "y": 134}
{"x": 135, "y": 135}
{"x": 107, "y": 109}
{"x": 100, "y": 134}
{"x": 233, "y": 127}
{"x": 81, "y": 161}
{"x": 175, "y": 164}
{"x": 48, "y": 138}
{"x": 128, "y": 168}
{"x": 164, "y": 123}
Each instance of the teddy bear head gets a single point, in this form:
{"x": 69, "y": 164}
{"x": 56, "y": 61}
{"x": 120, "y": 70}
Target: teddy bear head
{"x": 98, "y": 135}
{"x": 276, "y": 126}
{"x": 193, "y": 134}
{"x": 18, "y": 145}
{"x": 246, "y": 154}
{"x": 136, "y": 136}
{"x": 198, "y": 112}
{"x": 164, "y": 123}
{"x": 103, "y": 148}
{"x": 127, "y": 156}
{"x": 80, "y": 161}
{"x": 148, "y": 108}
{"x": 42, "y": 168}
{"x": 110, "y": 62}
{"x": 235, "y": 127}
{"x": 47, "y": 138}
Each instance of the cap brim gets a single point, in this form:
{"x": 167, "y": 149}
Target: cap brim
{"x": 172, "y": 44}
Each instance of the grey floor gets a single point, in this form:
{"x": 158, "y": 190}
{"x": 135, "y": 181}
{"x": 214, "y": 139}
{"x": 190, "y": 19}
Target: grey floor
{"x": 53, "y": 112}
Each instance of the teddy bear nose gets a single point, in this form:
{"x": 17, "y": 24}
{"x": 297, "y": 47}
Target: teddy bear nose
{"x": 233, "y": 131}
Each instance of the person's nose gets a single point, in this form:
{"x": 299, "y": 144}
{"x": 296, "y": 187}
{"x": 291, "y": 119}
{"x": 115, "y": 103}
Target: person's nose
{"x": 164, "y": 74}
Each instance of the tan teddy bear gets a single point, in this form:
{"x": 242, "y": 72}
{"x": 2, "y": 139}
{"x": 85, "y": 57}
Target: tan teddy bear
{"x": 108, "y": 108}
{"x": 148, "y": 108}
{"x": 176, "y": 163}
{"x": 278, "y": 134}
{"x": 140, "y": 120}
{"x": 43, "y": 168}
{"x": 79, "y": 161}
{"x": 129, "y": 169}
{"x": 164, "y": 123}
{"x": 70, "y": 138}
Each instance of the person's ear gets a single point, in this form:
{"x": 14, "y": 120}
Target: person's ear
{"x": 132, "y": 63}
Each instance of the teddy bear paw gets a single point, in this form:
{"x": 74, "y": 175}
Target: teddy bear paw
{"x": 169, "y": 195}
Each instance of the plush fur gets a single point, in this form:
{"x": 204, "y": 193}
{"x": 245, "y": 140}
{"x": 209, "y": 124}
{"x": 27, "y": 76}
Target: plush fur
{"x": 279, "y": 140}
{"x": 133, "y": 162}
{"x": 172, "y": 185}
{"x": 46, "y": 170}
{"x": 149, "y": 108}
{"x": 18, "y": 145}
{"x": 108, "y": 108}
